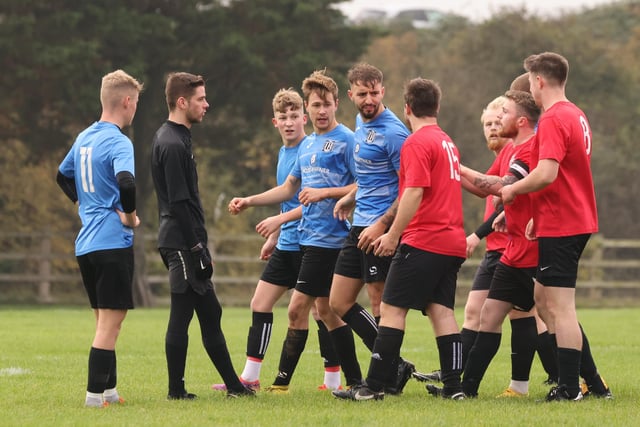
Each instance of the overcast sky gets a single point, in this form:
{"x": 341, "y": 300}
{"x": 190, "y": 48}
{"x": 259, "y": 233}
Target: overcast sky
{"x": 476, "y": 10}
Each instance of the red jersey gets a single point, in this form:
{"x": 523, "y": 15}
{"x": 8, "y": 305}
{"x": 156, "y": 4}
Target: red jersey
{"x": 520, "y": 252}
{"x": 495, "y": 241}
{"x": 430, "y": 160}
{"x": 566, "y": 207}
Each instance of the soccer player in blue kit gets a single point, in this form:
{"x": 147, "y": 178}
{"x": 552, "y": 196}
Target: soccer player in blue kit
{"x": 282, "y": 250}
{"x": 324, "y": 172}
{"x": 379, "y": 135}
{"x": 98, "y": 173}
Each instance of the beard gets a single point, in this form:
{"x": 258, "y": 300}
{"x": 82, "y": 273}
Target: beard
{"x": 370, "y": 112}
{"x": 508, "y": 132}
{"x": 495, "y": 144}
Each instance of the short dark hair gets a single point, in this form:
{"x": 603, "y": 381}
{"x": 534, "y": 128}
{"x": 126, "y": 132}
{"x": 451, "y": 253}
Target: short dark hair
{"x": 525, "y": 103}
{"x": 181, "y": 85}
{"x": 550, "y": 65}
{"x": 423, "y": 97}
{"x": 365, "y": 74}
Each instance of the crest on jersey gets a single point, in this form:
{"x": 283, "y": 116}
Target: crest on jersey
{"x": 357, "y": 149}
{"x": 328, "y": 145}
{"x": 313, "y": 159}
{"x": 371, "y": 136}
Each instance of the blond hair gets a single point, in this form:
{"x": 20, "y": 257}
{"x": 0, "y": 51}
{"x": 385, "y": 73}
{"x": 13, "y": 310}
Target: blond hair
{"x": 496, "y": 104}
{"x": 286, "y": 98}
{"x": 117, "y": 85}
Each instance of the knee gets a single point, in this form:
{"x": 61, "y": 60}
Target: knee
{"x": 324, "y": 311}
{"x": 471, "y": 314}
{"x": 340, "y": 308}
{"x": 295, "y": 315}
{"x": 257, "y": 306}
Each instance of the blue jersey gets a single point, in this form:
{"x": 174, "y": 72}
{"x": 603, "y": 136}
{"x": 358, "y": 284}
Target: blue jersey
{"x": 99, "y": 153}
{"x": 377, "y": 160}
{"x": 324, "y": 161}
{"x": 289, "y": 239}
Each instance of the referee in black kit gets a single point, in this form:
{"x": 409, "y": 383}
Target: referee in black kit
{"x": 182, "y": 238}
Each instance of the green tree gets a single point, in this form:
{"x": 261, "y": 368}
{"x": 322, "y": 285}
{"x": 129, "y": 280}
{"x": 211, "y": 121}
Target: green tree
{"x": 54, "y": 53}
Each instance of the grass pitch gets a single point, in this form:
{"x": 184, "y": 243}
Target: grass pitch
{"x": 43, "y": 369}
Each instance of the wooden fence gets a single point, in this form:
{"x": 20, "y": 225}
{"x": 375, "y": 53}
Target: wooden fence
{"x": 41, "y": 267}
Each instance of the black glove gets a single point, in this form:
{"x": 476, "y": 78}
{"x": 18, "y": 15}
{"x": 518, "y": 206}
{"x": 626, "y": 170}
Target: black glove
{"x": 204, "y": 265}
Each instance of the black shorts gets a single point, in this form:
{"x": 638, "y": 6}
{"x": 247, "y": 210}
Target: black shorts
{"x": 558, "y": 259}
{"x": 484, "y": 273}
{"x": 513, "y": 285}
{"x": 354, "y": 263}
{"x": 417, "y": 278}
{"x": 316, "y": 270}
{"x": 182, "y": 266}
{"x": 107, "y": 276}
{"x": 283, "y": 268}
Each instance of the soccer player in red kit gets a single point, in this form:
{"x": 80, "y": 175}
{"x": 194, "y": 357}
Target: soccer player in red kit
{"x": 564, "y": 215}
{"x": 512, "y": 282}
{"x": 429, "y": 228}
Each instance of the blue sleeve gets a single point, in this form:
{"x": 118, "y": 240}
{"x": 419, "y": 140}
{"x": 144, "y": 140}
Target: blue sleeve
{"x": 67, "y": 167}
{"x": 122, "y": 156}
{"x": 395, "y": 145}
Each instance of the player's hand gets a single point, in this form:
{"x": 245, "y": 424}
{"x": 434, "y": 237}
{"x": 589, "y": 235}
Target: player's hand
{"x": 343, "y": 208}
{"x": 310, "y": 195}
{"x": 530, "y": 231}
{"x": 369, "y": 235}
{"x": 507, "y": 194}
{"x": 237, "y": 205}
{"x": 385, "y": 245}
{"x": 125, "y": 219}
{"x": 204, "y": 264}
{"x": 268, "y": 226}
{"x": 500, "y": 223}
{"x": 267, "y": 249}
{"x": 496, "y": 201}
{"x": 472, "y": 243}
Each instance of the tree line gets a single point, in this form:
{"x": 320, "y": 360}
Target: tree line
{"x": 55, "y": 52}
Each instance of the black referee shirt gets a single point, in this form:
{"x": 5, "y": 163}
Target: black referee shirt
{"x": 176, "y": 180}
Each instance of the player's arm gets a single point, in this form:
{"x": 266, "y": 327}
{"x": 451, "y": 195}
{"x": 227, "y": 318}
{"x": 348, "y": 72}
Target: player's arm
{"x": 269, "y": 245}
{"x": 272, "y": 224}
{"x": 482, "y": 184}
{"x": 382, "y": 224}
{"x": 127, "y": 186}
{"x": 345, "y": 205}
{"x": 408, "y": 205}
{"x": 541, "y": 176}
{"x": 377, "y": 229}
{"x": 68, "y": 186}
{"x": 311, "y": 195}
{"x": 282, "y": 192}
{"x": 486, "y": 227}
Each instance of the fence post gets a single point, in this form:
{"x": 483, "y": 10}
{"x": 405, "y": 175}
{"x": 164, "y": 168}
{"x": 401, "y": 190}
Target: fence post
{"x": 44, "y": 287}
